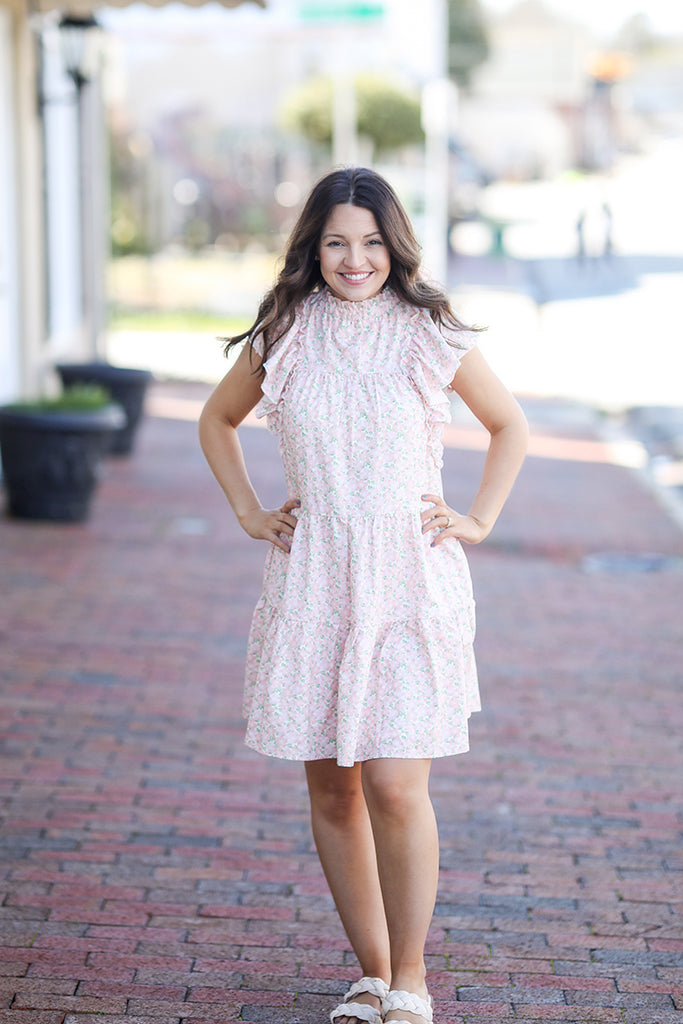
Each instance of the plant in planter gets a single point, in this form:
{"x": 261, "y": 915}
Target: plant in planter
{"x": 51, "y": 451}
{"x": 125, "y": 385}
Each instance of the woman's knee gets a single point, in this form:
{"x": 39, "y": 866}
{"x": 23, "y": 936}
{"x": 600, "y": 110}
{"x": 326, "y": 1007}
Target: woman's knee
{"x": 396, "y": 788}
{"x": 335, "y": 793}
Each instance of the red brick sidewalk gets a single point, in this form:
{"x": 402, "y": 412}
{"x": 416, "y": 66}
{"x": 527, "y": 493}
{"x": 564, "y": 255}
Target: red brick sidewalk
{"x": 155, "y": 869}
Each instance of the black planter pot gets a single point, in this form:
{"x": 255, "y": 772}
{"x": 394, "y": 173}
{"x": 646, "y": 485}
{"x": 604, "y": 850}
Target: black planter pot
{"x": 126, "y": 386}
{"x": 50, "y": 459}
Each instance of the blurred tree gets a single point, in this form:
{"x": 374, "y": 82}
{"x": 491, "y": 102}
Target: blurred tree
{"x": 387, "y": 114}
{"x": 637, "y": 35}
{"x": 468, "y": 44}
{"x": 127, "y": 193}
{"x": 196, "y": 233}
{"x": 126, "y": 233}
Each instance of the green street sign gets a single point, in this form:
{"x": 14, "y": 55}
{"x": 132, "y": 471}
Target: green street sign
{"x": 340, "y": 10}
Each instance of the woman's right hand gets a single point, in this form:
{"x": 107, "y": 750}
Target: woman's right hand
{"x": 274, "y": 525}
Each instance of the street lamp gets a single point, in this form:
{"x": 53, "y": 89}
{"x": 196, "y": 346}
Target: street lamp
{"x": 79, "y": 40}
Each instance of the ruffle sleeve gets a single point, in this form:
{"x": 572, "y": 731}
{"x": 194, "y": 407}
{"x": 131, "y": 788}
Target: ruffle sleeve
{"x": 432, "y": 359}
{"x": 278, "y": 367}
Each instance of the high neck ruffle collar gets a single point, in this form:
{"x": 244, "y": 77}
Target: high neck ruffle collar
{"x": 356, "y": 310}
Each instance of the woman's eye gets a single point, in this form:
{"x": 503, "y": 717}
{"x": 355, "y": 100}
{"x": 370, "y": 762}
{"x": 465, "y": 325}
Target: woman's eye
{"x": 375, "y": 241}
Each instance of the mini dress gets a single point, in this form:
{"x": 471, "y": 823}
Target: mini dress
{"x": 360, "y": 645}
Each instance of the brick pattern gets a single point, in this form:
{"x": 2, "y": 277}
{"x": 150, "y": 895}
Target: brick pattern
{"x": 153, "y": 869}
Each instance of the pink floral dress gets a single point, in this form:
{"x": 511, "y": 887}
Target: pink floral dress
{"x": 361, "y": 643}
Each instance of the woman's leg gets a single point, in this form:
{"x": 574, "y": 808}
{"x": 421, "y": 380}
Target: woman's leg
{"x": 346, "y": 847}
{"x": 407, "y": 845}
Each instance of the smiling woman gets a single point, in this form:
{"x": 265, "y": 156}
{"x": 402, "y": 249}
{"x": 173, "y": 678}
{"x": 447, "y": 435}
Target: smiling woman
{"x": 354, "y": 259}
{"x": 360, "y": 659}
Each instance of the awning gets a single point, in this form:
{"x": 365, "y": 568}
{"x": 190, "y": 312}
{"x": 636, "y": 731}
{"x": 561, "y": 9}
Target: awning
{"x": 81, "y": 8}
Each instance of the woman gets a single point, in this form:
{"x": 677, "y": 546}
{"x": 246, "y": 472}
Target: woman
{"x": 360, "y": 655}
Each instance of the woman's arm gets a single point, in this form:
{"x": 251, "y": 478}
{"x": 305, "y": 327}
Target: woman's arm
{"x": 500, "y": 413}
{"x": 232, "y": 399}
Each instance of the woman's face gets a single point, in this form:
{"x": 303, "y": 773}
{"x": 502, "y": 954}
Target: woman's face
{"x": 354, "y": 259}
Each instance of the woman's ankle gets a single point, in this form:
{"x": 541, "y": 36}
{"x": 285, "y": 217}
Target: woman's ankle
{"x": 410, "y": 979}
{"x": 384, "y": 973}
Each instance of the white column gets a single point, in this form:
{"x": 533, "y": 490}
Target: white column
{"x": 62, "y": 191}
{"x": 77, "y": 204}
{"x": 10, "y": 355}
{"x": 101, "y": 217}
{"x": 29, "y": 210}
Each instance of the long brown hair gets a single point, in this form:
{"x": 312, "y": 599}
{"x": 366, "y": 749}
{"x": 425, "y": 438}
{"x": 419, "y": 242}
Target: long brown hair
{"x": 300, "y": 274}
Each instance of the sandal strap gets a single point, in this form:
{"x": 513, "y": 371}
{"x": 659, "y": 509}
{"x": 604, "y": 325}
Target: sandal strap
{"x": 361, "y": 1011}
{"x": 369, "y": 986}
{"x": 398, "y": 999}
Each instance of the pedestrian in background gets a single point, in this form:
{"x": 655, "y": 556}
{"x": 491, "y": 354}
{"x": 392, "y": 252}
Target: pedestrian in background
{"x": 608, "y": 222}
{"x": 581, "y": 238}
{"x": 360, "y": 658}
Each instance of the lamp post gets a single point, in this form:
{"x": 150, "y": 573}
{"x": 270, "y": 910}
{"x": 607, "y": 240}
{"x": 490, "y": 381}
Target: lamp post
{"x": 437, "y": 104}
{"x": 79, "y": 40}
{"x": 80, "y": 47}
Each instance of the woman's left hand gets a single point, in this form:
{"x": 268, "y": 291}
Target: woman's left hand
{"x": 448, "y": 523}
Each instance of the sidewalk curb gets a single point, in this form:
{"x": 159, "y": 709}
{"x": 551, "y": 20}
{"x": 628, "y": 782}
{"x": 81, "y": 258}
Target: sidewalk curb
{"x": 633, "y": 455}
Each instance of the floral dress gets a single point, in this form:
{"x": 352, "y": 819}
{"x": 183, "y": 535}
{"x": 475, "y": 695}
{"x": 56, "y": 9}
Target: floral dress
{"x": 361, "y": 643}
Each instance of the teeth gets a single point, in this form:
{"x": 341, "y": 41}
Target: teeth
{"x": 356, "y": 277}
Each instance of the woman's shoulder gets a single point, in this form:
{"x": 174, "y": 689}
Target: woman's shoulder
{"x": 296, "y": 320}
{"x": 424, "y": 328}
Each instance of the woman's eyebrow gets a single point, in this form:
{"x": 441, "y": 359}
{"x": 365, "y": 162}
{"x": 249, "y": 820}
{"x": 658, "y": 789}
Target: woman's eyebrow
{"x": 335, "y": 234}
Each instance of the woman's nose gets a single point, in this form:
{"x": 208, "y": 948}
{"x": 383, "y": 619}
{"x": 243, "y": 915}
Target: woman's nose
{"x": 355, "y": 256}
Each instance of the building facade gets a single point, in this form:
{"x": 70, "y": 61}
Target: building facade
{"x": 53, "y": 199}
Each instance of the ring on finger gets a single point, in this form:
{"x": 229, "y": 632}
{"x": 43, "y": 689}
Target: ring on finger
{"x": 448, "y": 522}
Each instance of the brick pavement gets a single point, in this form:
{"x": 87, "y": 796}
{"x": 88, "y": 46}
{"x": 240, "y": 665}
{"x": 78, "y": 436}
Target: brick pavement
{"x": 152, "y": 868}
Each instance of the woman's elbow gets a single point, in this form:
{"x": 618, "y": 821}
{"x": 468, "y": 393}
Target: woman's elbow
{"x": 513, "y": 424}
{"x": 521, "y": 426}
{"x": 206, "y": 425}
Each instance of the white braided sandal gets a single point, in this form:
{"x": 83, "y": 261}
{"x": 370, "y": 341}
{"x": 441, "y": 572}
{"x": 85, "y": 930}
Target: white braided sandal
{"x": 397, "y": 999}
{"x": 362, "y": 1011}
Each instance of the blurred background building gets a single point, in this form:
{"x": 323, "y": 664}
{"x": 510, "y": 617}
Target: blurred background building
{"x": 160, "y": 170}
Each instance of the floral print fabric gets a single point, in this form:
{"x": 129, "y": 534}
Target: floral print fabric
{"x": 361, "y": 643}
